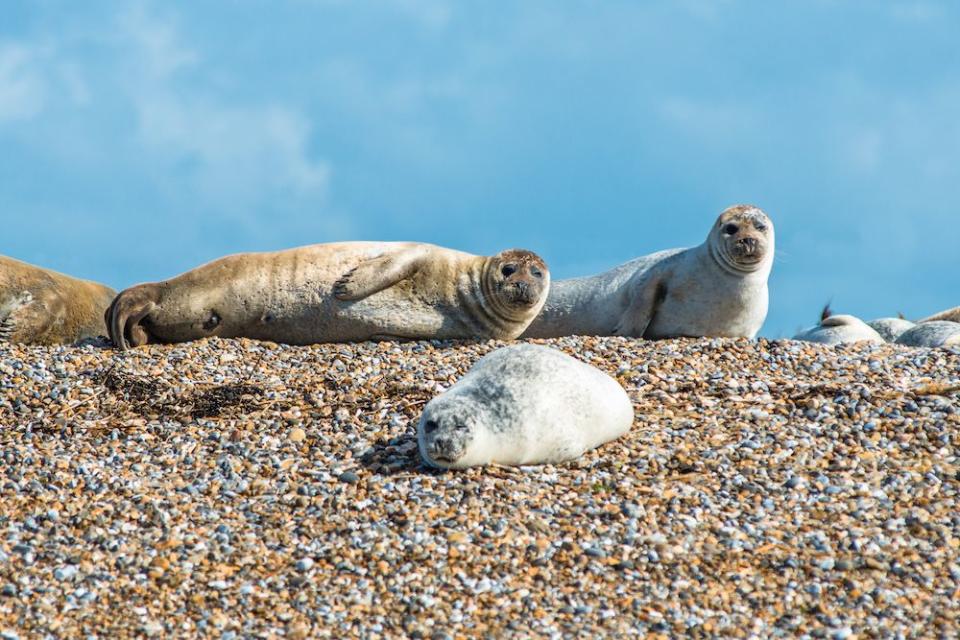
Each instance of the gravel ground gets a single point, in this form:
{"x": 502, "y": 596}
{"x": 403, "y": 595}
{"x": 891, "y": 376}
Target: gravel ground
{"x": 232, "y": 488}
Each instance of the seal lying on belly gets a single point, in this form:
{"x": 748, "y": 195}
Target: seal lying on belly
{"x": 935, "y": 333}
{"x": 338, "y": 292}
{"x": 39, "y": 306}
{"x": 891, "y": 328}
{"x": 950, "y": 315}
{"x": 839, "y": 329}
{"x": 718, "y": 288}
{"x": 523, "y": 404}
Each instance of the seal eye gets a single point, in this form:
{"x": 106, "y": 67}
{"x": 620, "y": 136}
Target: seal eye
{"x": 730, "y": 229}
{"x": 759, "y": 226}
{"x": 430, "y": 426}
{"x": 508, "y": 270}
{"x": 536, "y": 273}
{"x": 461, "y": 427}
{"x": 212, "y": 322}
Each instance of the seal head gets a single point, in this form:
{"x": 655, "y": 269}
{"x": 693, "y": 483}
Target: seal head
{"x": 742, "y": 239}
{"x": 452, "y": 433}
{"x": 518, "y": 280}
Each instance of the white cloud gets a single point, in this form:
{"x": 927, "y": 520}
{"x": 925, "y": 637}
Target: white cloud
{"x": 22, "y": 86}
{"x": 434, "y": 14}
{"x": 227, "y": 155}
{"x": 237, "y": 154}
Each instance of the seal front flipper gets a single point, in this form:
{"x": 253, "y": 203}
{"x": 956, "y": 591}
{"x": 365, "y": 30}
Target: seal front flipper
{"x": 8, "y": 308}
{"x": 377, "y": 274}
{"x": 647, "y": 295}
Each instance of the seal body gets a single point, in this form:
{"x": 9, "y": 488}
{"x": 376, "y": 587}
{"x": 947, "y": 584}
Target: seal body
{"x": 890, "y": 328}
{"x": 338, "y": 292}
{"x": 951, "y": 315}
{"x": 716, "y": 289}
{"x": 935, "y": 333}
{"x": 40, "y": 306}
{"x": 840, "y": 329}
{"x": 523, "y": 404}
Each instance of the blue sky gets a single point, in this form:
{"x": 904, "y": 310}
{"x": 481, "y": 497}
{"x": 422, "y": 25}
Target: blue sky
{"x": 138, "y": 140}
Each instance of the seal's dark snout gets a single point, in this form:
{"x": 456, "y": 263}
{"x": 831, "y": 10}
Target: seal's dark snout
{"x": 521, "y": 292}
{"x": 747, "y": 246}
{"x": 443, "y": 448}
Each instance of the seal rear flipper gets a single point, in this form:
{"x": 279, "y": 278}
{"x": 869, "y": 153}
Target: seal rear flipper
{"x": 377, "y": 274}
{"x": 127, "y": 312}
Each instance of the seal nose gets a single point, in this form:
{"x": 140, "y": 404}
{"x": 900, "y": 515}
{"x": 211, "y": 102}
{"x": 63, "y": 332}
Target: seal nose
{"x": 442, "y": 447}
{"x": 521, "y": 292}
{"x": 748, "y": 246}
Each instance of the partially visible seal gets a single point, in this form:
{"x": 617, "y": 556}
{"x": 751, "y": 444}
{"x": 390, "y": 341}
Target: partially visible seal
{"x": 839, "y": 329}
{"x": 935, "y": 333}
{"x": 523, "y": 404}
{"x": 718, "y": 288}
{"x": 40, "y": 306}
{"x": 890, "y": 328}
{"x": 338, "y": 292}
{"x": 951, "y": 315}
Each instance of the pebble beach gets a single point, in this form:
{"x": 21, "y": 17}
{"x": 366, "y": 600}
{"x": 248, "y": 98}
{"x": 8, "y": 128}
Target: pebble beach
{"x": 241, "y": 489}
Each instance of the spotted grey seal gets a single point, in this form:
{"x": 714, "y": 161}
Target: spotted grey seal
{"x": 338, "y": 292}
{"x": 890, "y": 328}
{"x": 523, "y": 404}
{"x": 933, "y": 333}
{"x": 718, "y": 288}
{"x": 40, "y": 306}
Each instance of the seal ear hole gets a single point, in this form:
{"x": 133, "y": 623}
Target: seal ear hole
{"x": 508, "y": 270}
{"x": 730, "y": 228}
{"x": 430, "y": 426}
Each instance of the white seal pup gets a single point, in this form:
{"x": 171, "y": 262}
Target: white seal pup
{"x": 936, "y": 333}
{"x": 890, "y": 328}
{"x": 40, "y": 306}
{"x": 338, "y": 292}
{"x": 839, "y": 329}
{"x": 716, "y": 289}
{"x": 951, "y": 315}
{"x": 523, "y": 404}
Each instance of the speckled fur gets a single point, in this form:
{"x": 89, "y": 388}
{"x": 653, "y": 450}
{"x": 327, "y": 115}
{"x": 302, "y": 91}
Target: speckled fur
{"x": 523, "y": 404}
{"x": 890, "y": 328}
{"x": 935, "y": 333}
{"x": 700, "y": 291}
{"x": 40, "y": 306}
{"x": 950, "y": 315}
{"x": 337, "y": 292}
